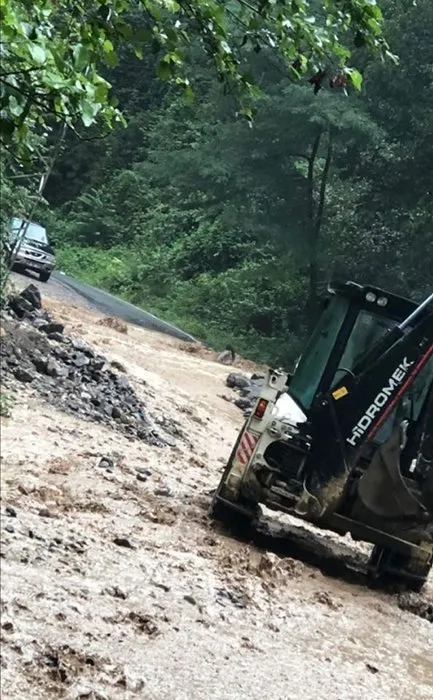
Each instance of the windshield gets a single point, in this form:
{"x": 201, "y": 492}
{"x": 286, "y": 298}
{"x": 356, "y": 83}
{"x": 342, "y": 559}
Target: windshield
{"x": 314, "y": 360}
{"x": 34, "y": 232}
{"x": 367, "y": 330}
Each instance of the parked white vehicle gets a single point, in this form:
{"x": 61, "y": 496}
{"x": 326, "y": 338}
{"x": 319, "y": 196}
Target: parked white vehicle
{"x": 31, "y": 248}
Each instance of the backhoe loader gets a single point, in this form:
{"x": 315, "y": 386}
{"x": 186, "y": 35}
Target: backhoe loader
{"x": 346, "y": 441}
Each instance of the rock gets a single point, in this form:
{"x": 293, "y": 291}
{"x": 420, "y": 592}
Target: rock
{"x": 21, "y": 307}
{"x": 52, "y": 327}
{"x": 162, "y": 491}
{"x": 10, "y": 510}
{"x": 224, "y": 596}
{"x": 106, "y": 463}
{"x": 9, "y": 528}
{"x": 243, "y": 403}
{"x": 118, "y": 365}
{"x": 40, "y": 362}
{"x": 371, "y": 668}
{"x": 190, "y": 599}
{"x": 116, "y": 592}
{"x": 8, "y": 626}
{"x": 54, "y": 369}
{"x": 238, "y": 381}
{"x": 32, "y": 294}
{"x": 98, "y": 364}
{"x": 249, "y": 390}
{"x": 81, "y": 346}
{"x": 123, "y": 383}
{"x": 123, "y": 542}
{"x": 56, "y": 336}
{"x": 80, "y": 360}
{"x": 226, "y": 357}
{"x": 89, "y": 388}
{"x": 23, "y": 375}
{"x": 44, "y": 513}
{"x": 143, "y": 470}
{"x": 141, "y": 477}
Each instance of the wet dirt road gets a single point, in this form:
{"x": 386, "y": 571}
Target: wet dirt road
{"x": 116, "y": 585}
{"x": 63, "y": 287}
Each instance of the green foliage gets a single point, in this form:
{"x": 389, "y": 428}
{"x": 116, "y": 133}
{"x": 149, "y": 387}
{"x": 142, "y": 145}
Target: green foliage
{"x": 6, "y": 404}
{"x": 53, "y": 54}
{"x": 230, "y": 231}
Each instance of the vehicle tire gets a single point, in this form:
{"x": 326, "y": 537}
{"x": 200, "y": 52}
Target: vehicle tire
{"x": 44, "y": 276}
{"x": 386, "y": 566}
{"x": 227, "y": 467}
{"x": 221, "y": 510}
{"x": 232, "y": 518}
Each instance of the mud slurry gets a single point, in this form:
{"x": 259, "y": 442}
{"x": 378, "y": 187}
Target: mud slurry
{"x": 116, "y": 585}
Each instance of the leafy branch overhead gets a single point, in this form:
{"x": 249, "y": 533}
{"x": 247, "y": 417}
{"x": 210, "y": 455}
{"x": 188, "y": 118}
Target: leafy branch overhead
{"x": 52, "y": 53}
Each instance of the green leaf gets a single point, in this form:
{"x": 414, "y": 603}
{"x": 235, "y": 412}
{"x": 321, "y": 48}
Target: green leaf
{"x": 101, "y": 92}
{"x": 111, "y": 59}
{"x": 38, "y": 54}
{"x": 355, "y": 78}
{"x": 87, "y": 113}
{"x": 81, "y": 56}
{"x": 164, "y": 70}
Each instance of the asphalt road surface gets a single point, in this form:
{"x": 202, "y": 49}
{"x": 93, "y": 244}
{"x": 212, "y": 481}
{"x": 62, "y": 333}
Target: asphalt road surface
{"x": 66, "y": 289}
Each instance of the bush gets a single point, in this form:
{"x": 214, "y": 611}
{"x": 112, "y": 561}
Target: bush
{"x": 253, "y": 306}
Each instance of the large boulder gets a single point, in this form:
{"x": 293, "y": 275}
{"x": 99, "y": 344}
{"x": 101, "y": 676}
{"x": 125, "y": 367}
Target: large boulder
{"x": 32, "y": 295}
{"x": 237, "y": 381}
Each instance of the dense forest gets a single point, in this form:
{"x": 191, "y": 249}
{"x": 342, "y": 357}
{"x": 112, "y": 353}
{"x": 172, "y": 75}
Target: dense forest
{"x": 232, "y": 228}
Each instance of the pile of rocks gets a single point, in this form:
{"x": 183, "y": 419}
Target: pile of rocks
{"x": 69, "y": 373}
{"x": 248, "y": 389}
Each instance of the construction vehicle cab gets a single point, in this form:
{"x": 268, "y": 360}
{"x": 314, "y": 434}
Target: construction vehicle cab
{"x": 345, "y": 442}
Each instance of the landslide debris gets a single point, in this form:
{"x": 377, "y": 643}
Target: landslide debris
{"x": 68, "y": 373}
{"x": 247, "y": 388}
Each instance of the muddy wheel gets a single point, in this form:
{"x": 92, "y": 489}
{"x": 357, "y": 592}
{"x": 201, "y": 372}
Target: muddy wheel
{"x": 220, "y": 490}
{"x": 240, "y": 514}
{"x": 241, "y": 521}
{"x": 386, "y": 566}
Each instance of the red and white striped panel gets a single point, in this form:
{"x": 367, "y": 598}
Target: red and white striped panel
{"x": 246, "y": 447}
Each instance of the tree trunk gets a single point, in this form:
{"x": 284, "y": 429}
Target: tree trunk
{"x": 315, "y": 219}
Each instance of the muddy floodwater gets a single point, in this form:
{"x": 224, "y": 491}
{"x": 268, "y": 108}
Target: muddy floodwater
{"x": 115, "y": 585}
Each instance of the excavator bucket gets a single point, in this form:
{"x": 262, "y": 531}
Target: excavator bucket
{"x": 384, "y": 496}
